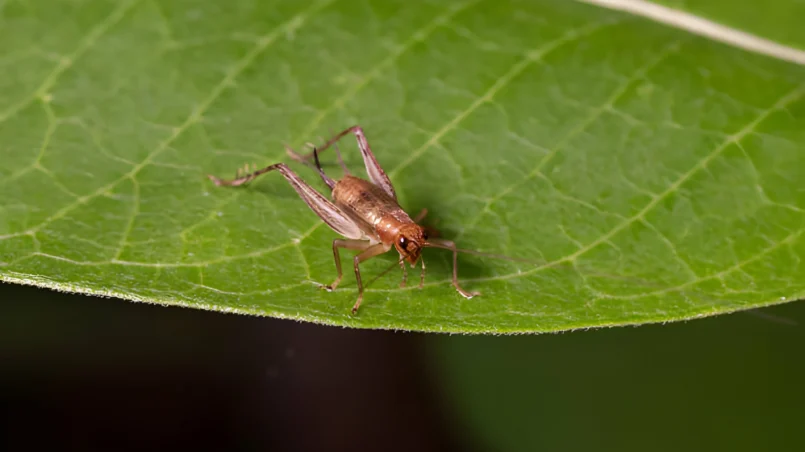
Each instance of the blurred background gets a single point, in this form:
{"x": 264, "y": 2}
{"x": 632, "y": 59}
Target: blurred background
{"x": 85, "y": 373}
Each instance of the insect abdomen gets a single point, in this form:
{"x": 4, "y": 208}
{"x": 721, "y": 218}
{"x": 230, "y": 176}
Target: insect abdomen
{"x": 369, "y": 204}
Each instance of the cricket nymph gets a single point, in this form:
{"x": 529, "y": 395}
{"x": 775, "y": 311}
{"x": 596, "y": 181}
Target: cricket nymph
{"x": 378, "y": 215}
{"x": 365, "y": 212}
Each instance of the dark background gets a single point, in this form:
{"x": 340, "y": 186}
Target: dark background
{"x": 86, "y": 373}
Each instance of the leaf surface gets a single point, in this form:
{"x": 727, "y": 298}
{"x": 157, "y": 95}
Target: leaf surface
{"x": 648, "y": 174}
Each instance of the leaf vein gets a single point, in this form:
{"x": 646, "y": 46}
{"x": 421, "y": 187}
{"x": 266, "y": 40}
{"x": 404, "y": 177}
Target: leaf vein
{"x": 514, "y": 71}
{"x": 416, "y": 37}
{"x": 583, "y": 125}
{"x": 64, "y": 63}
{"x": 294, "y": 23}
{"x": 787, "y": 99}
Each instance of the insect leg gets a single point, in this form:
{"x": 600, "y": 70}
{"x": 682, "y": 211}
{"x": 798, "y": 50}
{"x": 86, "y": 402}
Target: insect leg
{"x": 376, "y": 174}
{"x": 323, "y": 207}
{"x": 349, "y": 245}
{"x": 367, "y": 254}
{"x": 421, "y": 215}
{"x": 404, "y": 281}
{"x": 448, "y": 245}
{"x": 422, "y": 275}
{"x": 245, "y": 179}
{"x": 432, "y": 232}
{"x": 298, "y": 157}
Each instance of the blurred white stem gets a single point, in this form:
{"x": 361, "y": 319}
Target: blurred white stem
{"x": 703, "y": 27}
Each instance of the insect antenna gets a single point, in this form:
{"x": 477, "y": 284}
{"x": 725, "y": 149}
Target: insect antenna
{"x": 772, "y": 317}
{"x": 536, "y": 262}
{"x": 340, "y": 160}
{"x": 317, "y": 167}
{"x": 492, "y": 255}
{"x": 390, "y": 267}
{"x": 330, "y": 183}
{"x": 632, "y": 279}
{"x": 297, "y": 157}
{"x": 338, "y": 156}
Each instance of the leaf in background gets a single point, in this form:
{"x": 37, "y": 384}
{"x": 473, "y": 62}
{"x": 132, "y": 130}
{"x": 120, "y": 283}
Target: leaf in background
{"x": 598, "y": 142}
{"x": 725, "y": 383}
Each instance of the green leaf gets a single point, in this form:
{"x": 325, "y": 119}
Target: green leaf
{"x": 655, "y": 174}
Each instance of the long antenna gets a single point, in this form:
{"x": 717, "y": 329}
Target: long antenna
{"x": 340, "y": 160}
{"x": 402, "y": 259}
{"x": 546, "y": 264}
{"x": 492, "y": 255}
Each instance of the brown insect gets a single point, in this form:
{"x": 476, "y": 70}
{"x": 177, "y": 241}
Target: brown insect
{"x": 368, "y": 215}
{"x": 365, "y": 212}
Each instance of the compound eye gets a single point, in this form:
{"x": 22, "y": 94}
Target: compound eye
{"x": 403, "y": 242}
{"x": 424, "y": 235}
